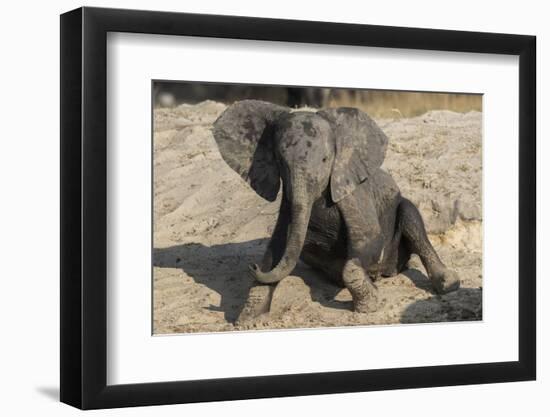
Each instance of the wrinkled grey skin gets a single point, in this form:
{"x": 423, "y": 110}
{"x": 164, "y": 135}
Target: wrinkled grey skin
{"x": 340, "y": 212}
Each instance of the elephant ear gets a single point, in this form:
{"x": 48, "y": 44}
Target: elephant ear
{"x": 360, "y": 149}
{"x": 244, "y": 134}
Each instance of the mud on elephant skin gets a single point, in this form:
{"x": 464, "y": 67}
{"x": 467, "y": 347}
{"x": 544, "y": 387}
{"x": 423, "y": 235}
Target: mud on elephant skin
{"x": 340, "y": 212}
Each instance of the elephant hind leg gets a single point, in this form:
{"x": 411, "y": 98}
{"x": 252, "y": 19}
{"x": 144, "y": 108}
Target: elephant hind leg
{"x": 398, "y": 255}
{"x": 414, "y": 234}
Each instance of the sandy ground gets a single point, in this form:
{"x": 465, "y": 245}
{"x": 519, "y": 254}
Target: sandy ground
{"x": 209, "y": 225}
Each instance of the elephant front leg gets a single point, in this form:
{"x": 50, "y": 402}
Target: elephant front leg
{"x": 365, "y": 244}
{"x": 260, "y": 295}
{"x": 363, "y": 291}
{"x": 257, "y": 302}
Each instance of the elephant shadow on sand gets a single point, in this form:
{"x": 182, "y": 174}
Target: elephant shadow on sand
{"x": 224, "y": 269}
{"x": 464, "y": 304}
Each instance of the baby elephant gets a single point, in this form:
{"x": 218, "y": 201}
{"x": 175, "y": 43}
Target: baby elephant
{"x": 340, "y": 212}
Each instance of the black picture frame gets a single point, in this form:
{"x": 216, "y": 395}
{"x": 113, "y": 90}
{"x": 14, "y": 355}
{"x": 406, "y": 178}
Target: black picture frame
{"x": 84, "y": 207}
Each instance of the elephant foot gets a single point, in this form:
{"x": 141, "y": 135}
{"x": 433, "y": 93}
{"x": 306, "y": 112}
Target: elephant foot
{"x": 363, "y": 291}
{"x": 369, "y": 302}
{"x": 445, "y": 281}
{"x": 257, "y": 303}
{"x": 365, "y": 298}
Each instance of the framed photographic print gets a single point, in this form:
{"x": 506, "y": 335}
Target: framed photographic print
{"x": 257, "y": 208}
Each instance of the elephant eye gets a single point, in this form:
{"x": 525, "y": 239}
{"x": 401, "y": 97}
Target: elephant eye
{"x": 325, "y": 159}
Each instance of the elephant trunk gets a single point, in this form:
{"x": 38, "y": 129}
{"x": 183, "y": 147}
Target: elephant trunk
{"x": 300, "y": 210}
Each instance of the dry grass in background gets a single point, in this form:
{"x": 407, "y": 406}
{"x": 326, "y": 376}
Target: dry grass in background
{"x": 377, "y": 103}
{"x": 396, "y": 104}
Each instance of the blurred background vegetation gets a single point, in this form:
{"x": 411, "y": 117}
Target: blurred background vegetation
{"x": 378, "y": 103}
